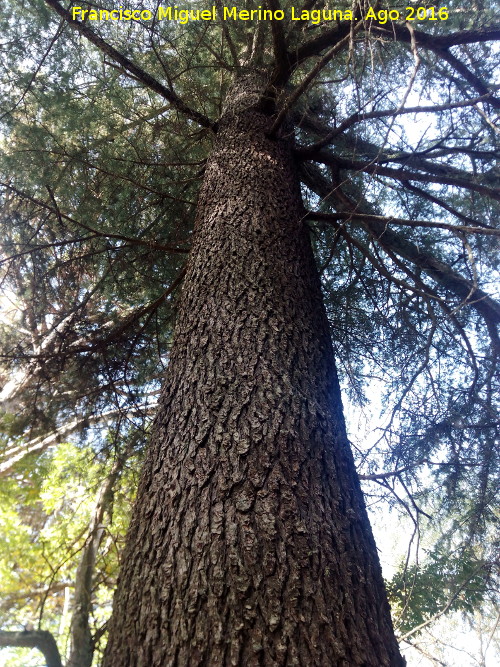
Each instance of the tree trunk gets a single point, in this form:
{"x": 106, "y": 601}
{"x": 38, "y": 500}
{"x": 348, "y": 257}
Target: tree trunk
{"x": 250, "y": 543}
{"x": 81, "y": 640}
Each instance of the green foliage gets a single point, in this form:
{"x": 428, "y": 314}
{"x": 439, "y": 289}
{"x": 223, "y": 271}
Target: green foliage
{"x": 456, "y": 581}
{"x": 46, "y": 508}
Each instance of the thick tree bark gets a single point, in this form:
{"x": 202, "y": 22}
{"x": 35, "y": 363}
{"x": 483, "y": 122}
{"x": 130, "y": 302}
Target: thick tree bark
{"x": 250, "y": 543}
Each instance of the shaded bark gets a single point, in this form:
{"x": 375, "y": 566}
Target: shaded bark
{"x": 250, "y": 543}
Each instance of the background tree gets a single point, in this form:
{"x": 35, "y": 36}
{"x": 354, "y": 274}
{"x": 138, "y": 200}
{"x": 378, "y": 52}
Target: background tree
{"x": 106, "y": 133}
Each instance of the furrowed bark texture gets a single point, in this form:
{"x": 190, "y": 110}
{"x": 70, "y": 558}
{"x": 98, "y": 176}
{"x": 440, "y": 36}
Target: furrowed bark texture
{"x": 249, "y": 543}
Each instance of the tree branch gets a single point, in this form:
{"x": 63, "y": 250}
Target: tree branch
{"x": 436, "y": 42}
{"x": 128, "y": 65}
{"x": 359, "y": 117}
{"x": 440, "y": 45}
{"x": 279, "y": 45}
{"x": 95, "y": 232}
{"x": 41, "y": 639}
{"x": 43, "y": 442}
{"x": 433, "y": 224}
{"x": 393, "y": 473}
{"x": 470, "y": 77}
{"x": 467, "y": 292}
{"x": 404, "y": 175}
{"x": 314, "y": 46}
{"x": 446, "y": 607}
{"x": 310, "y": 76}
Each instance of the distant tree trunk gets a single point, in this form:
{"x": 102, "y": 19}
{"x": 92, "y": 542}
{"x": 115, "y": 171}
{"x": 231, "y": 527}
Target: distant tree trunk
{"x": 250, "y": 543}
{"x": 81, "y": 640}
